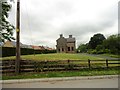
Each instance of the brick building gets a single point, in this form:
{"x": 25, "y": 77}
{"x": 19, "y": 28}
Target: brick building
{"x": 66, "y": 45}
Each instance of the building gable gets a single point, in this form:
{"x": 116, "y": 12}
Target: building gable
{"x": 8, "y": 44}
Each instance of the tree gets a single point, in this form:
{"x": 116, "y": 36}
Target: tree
{"x": 112, "y": 43}
{"x": 97, "y": 39}
{"x": 82, "y": 48}
{"x": 100, "y": 49}
{"x": 6, "y": 29}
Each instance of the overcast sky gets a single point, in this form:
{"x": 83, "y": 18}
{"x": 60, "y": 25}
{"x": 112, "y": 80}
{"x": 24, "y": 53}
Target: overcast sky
{"x": 42, "y": 21}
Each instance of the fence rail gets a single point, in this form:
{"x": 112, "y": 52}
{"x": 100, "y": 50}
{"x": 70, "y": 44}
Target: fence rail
{"x": 8, "y": 66}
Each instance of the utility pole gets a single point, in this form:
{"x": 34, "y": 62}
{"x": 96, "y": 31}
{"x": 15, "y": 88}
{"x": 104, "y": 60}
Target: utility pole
{"x": 17, "y": 62}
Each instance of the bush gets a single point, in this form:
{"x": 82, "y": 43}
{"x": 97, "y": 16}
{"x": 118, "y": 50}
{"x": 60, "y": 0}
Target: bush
{"x": 11, "y": 51}
{"x": 92, "y": 51}
{"x": 106, "y": 50}
{"x": 100, "y": 52}
{"x": 8, "y": 51}
{"x": 89, "y": 51}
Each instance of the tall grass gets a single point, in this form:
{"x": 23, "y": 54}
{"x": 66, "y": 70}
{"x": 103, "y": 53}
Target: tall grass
{"x": 56, "y": 56}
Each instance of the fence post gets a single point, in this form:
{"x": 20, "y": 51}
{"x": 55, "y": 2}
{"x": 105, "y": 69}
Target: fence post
{"x": 46, "y": 66}
{"x": 107, "y": 63}
{"x": 47, "y": 63}
{"x": 68, "y": 64}
{"x": 89, "y": 63}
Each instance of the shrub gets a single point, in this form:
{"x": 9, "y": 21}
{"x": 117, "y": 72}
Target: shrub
{"x": 100, "y": 52}
{"x": 106, "y": 50}
{"x": 11, "y": 51}
{"x": 92, "y": 51}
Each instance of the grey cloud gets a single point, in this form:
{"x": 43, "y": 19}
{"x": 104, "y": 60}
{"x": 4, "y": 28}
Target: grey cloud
{"x": 37, "y": 21}
{"x": 106, "y": 20}
{"x": 41, "y": 21}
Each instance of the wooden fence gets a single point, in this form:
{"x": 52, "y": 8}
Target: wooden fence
{"x": 8, "y": 66}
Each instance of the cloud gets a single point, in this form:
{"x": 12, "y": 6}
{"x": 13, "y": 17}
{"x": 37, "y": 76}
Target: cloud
{"x": 106, "y": 20}
{"x": 43, "y": 20}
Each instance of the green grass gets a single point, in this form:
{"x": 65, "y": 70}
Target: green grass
{"x": 82, "y": 72}
{"x": 60, "y": 56}
{"x": 111, "y": 55}
{"x": 55, "y": 56}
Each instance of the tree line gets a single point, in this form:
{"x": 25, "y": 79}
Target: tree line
{"x": 98, "y": 44}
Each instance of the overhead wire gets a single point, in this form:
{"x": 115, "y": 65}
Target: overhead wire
{"x": 29, "y": 26}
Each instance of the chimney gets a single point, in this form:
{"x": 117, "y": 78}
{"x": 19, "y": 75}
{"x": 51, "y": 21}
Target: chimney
{"x": 70, "y": 36}
{"x": 61, "y": 35}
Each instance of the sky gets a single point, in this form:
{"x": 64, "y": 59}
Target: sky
{"x": 42, "y": 21}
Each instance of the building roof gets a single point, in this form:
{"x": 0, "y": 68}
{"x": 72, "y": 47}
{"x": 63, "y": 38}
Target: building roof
{"x": 36, "y": 47}
{"x": 9, "y": 44}
{"x": 70, "y": 39}
{"x": 26, "y": 46}
{"x": 13, "y": 44}
{"x": 42, "y": 47}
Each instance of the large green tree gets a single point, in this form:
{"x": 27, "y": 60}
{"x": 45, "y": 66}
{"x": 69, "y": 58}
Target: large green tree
{"x": 6, "y": 28}
{"x": 97, "y": 39}
{"x": 82, "y": 48}
{"x": 112, "y": 43}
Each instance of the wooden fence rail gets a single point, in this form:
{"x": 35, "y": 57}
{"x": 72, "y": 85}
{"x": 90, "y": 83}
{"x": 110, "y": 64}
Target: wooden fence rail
{"x": 8, "y": 66}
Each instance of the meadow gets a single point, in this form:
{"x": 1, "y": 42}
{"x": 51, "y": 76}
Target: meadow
{"x": 55, "y": 56}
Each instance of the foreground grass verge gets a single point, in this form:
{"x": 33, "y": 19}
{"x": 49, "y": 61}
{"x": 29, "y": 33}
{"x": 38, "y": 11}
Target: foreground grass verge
{"x": 82, "y": 72}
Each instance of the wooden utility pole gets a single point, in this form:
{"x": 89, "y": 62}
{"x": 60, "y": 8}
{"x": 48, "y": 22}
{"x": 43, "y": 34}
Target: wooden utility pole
{"x": 17, "y": 62}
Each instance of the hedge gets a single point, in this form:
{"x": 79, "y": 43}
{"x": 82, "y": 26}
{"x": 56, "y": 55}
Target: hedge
{"x": 11, "y": 51}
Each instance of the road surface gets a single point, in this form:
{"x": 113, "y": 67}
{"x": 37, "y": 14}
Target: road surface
{"x": 94, "y": 83}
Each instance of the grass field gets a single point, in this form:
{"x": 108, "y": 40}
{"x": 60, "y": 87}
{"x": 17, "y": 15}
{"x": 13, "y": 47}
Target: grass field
{"x": 55, "y": 56}
{"x": 111, "y": 55}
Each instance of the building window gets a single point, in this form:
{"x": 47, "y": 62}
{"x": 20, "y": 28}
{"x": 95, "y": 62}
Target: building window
{"x": 62, "y": 49}
{"x": 68, "y": 48}
{"x": 72, "y": 48}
